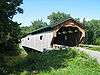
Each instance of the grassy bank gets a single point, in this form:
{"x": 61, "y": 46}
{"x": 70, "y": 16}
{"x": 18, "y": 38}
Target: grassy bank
{"x": 94, "y": 48}
{"x": 62, "y": 62}
{"x": 80, "y": 65}
{"x": 91, "y": 47}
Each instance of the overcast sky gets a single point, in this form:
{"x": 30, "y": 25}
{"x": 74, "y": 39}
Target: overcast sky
{"x": 37, "y": 9}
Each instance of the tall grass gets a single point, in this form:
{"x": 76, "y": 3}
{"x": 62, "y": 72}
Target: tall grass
{"x": 94, "y": 48}
{"x": 97, "y": 42}
{"x": 37, "y": 62}
{"x": 62, "y": 62}
{"x": 80, "y": 65}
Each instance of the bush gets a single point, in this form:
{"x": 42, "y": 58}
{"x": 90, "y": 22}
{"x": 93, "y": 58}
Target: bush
{"x": 36, "y": 62}
{"x": 52, "y": 63}
{"x": 80, "y": 65}
{"x": 45, "y": 61}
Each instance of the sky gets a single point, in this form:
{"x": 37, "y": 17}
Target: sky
{"x": 40, "y": 9}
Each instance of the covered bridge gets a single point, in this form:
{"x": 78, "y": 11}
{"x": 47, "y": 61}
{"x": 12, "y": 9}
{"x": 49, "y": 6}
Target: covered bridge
{"x": 67, "y": 33}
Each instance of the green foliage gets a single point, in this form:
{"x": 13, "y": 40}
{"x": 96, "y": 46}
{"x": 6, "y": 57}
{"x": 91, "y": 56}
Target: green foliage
{"x": 8, "y": 8}
{"x": 9, "y": 30}
{"x": 38, "y": 24}
{"x": 45, "y": 61}
{"x": 57, "y": 17}
{"x": 97, "y": 42}
{"x": 52, "y": 63}
{"x": 35, "y": 25}
{"x": 37, "y": 62}
{"x": 94, "y": 48}
{"x": 25, "y": 30}
{"x": 80, "y": 65}
{"x": 26, "y": 73}
{"x": 92, "y": 31}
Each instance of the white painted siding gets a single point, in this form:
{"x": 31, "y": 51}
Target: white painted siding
{"x": 34, "y": 41}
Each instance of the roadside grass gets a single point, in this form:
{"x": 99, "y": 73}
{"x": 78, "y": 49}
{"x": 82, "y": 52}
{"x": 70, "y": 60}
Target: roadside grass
{"x": 37, "y": 62}
{"x": 94, "y": 48}
{"x": 62, "y": 62}
{"x": 80, "y": 65}
{"x": 97, "y": 42}
{"x": 91, "y": 47}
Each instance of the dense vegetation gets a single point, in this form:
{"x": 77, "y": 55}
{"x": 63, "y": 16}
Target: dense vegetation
{"x": 54, "y": 62}
{"x": 80, "y": 65}
{"x": 35, "y": 25}
{"x": 9, "y": 30}
{"x": 94, "y": 48}
{"x": 92, "y": 31}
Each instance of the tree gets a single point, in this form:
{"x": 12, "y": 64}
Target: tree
{"x": 9, "y": 30}
{"x": 92, "y": 31}
{"x": 38, "y": 24}
{"x": 96, "y": 26}
{"x": 35, "y": 25}
{"x": 58, "y": 17}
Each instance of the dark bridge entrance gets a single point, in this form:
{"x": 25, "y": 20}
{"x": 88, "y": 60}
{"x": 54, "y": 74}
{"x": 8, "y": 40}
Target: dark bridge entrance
{"x": 68, "y": 36}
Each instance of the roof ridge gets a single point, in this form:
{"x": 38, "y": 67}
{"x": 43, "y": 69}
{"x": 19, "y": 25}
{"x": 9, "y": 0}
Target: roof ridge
{"x": 50, "y": 27}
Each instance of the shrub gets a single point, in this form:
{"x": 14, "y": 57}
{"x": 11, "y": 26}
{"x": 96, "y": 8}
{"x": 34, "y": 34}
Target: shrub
{"x": 39, "y": 62}
{"x": 80, "y": 65}
{"x": 45, "y": 61}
